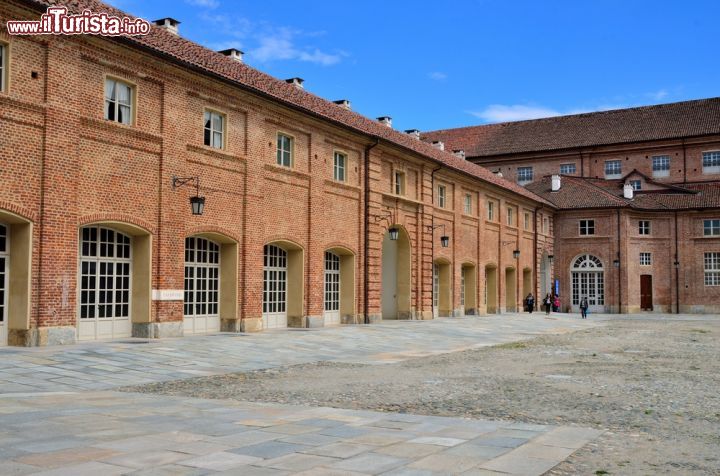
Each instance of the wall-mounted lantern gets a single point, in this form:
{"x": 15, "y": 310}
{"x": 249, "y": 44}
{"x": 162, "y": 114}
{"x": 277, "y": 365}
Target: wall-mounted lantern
{"x": 444, "y": 239}
{"x": 516, "y": 254}
{"x": 394, "y": 233}
{"x": 197, "y": 203}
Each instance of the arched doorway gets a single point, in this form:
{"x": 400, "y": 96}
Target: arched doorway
{"x": 491, "y": 289}
{"x": 339, "y": 287}
{"x": 396, "y": 276}
{"x": 201, "y": 303}
{"x": 15, "y": 266}
{"x": 4, "y": 265}
{"x": 468, "y": 289}
{"x": 545, "y": 275}
{"x": 442, "y": 289}
{"x": 282, "y": 285}
{"x": 527, "y": 283}
{"x": 510, "y": 290}
{"x": 588, "y": 281}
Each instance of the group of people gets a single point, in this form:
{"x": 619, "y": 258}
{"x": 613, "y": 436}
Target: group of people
{"x": 551, "y": 302}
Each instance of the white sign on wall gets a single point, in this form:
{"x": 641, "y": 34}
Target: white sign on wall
{"x": 167, "y": 294}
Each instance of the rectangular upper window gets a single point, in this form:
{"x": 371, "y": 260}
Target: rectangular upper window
{"x": 644, "y": 227}
{"x": 3, "y": 66}
{"x": 339, "y": 166}
{"x": 645, "y": 259}
{"x": 587, "y": 227}
{"x": 510, "y": 218}
{"x": 711, "y": 162}
{"x": 712, "y": 269}
{"x": 567, "y": 169}
{"x": 214, "y": 130}
{"x": 399, "y": 183}
{"x": 441, "y": 196}
{"x": 636, "y": 184}
{"x": 711, "y": 227}
{"x": 285, "y": 145}
{"x": 491, "y": 211}
{"x": 468, "y": 204}
{"x": 524, "y": 175}
{"x": 613, "y": 169}
{"x": 661, "y": 165}
{"x": 118, "y": 101}
{"x": 527, "y": 221}
{"x": 546, "y": 225}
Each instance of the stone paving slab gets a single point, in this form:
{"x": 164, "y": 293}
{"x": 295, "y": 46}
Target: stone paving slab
{"x": 138, "y": 446}
{"x": 111, "y": 364}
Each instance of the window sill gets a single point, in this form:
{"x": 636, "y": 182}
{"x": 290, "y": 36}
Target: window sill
{"x": 211, "y": 151}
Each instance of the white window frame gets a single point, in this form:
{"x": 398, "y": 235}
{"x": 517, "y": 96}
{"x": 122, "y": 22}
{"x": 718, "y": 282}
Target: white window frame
{"x": 613, "y": 169}
{"x": 399, "y": 183}
{"x": 4, "y": 76}
{"x": 4, "y": 277}
{"x": 712, "y": 158}
{"x": 711, "y": 227}
{"x": 442, "y": 196}
{"x": 645, "y": 258}
{"x": 115, "y": 103}
{"x": 636, "y": 184}
{"x": 210, "y": 131}
{"x": 468, "y": 204}
{"x": 339, "y": 166}
{"x": 202, "y": 271}
{"x": 527, "y": 220}
{"x": 711, "y": 268}
{"x": 661, "y": 165}
{"x": 490, "y": 210}
{"x": 285, "y": 145}
{"x": 509, "y": 216}
{"x": 586, "y": 227}
{"x": 275, "y": 281}
{"x": 568, "y": 169}
{"x": 524, "y": 175}
{"x": 332, "y": 282}
{"x": 644, "y": 227}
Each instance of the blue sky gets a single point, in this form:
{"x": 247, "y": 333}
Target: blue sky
{"x": 433, "y": 65}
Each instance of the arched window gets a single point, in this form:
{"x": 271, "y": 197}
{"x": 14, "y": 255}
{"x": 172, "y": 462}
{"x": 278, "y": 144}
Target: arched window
{"x": 587, "y": 261}
{"x": 105, "y": 258}
{"x": 275, "y": 286}
{"x": 588, "y": 281}
{"x": 4, "y": 259}
{"x": 202, "y": 285}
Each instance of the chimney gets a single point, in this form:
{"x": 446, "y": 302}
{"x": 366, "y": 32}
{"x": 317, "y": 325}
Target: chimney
{"x": 555, "y": 183}
{"x": 414, "y": 133}
{"x": 169, "y": 24}
{"x": 438, "y": 144}
{"x": 233, "y": 53}
{"x": 297, "y": 82}
{"x": 628, "y": 191}
{"x": 499, "y": 174}
{"x": 387, "y": 120}
{"x": 343, "y": 103}
{"x": 459, "y": 153}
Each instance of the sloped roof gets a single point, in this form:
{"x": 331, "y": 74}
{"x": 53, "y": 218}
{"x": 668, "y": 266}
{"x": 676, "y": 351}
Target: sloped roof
{"x": 198, "y": 57}
{"x": 582, "y": 193}
{"x": 619, "y": 126}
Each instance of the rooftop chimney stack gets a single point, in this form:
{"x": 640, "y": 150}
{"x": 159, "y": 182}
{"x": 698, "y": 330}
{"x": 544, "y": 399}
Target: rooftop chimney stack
{"x": 499, "y": 174}
{"x": 628, "y": 191}
{"x": 459, "y": 153}
{"x": 438, "y": 144}
{"x": 297, "y": 82}
{"x": 343, "y": 103}
{"x": 169, "y": 24}
{"x": 386, "y": 120}
{"x": 555, "y": 183}
{"x": 233, "y": 53}
{"x": 414, "y": 133}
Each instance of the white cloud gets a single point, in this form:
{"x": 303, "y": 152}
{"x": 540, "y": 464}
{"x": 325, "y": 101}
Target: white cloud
{"x": 658, "y": 95}
{"x": 210, "y": 4}
{"x": 437, "y": 76}
{"x": 515, "y": 112}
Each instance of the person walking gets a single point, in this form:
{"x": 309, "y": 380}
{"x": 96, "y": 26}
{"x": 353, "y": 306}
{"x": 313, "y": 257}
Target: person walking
{"x": 556, "y": 303}
{"x": 529, "y": 303}
{"x": 583, "y": 308}
{"x": 547, "y": 302}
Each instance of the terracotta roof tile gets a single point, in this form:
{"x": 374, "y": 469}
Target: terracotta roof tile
{"x": 664, "y": 121}
{"x": 199, "y": 57}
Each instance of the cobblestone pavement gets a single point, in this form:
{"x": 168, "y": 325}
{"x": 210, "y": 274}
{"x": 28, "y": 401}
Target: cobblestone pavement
{"x": 107, "y": 365}
{"x": 57, "y": 417}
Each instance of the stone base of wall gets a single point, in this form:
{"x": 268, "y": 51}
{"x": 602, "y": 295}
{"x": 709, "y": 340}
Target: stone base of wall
{"x": 42, "y": 336}
{"x": 251, "y": 324}
{"x": 230, "y": 325}
{"x": 312, "y": 322}
{"x": 157, "y": 330}
{"x": 700, "y": 309}
{"x": 471, "y": 312}
{"x": 459, "y": 312}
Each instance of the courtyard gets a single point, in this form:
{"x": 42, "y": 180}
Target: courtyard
{"x": 510, "y": 394}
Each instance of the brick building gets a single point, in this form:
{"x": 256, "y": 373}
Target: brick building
{"x": 313, "y": 214}
{"x": 638, "y": 198}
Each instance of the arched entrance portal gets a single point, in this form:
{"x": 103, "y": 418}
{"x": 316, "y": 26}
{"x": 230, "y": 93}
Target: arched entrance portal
{"x": 442, "y": 289}
{"x": 15, "y": 258}
{"x": 468, "y": 289}
{"x": 545, "y": 275}
{"x": 588, "y": 281}
{"x": 510, "y": 290}
{"x": 491, "y": 289}
{"x": 201, "y": 306}
{"x": 4, "y": 262}
{"x": 339, "y": 287}
{"x": 527, "y": 283}
{"x": 282, "y": 285}
{"x": 396, "y": 276}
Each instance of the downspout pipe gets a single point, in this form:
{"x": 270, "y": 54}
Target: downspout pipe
{"x": 366, "y": 243}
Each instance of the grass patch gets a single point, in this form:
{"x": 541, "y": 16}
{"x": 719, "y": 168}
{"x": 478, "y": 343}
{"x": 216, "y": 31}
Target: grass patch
{"x": 512, "y": 345}
{"x": 700, "y": 331}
